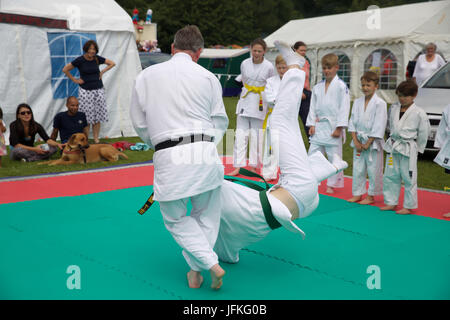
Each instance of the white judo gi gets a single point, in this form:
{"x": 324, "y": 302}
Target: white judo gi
{"x": 243, "y": 221}
{"x": 250, "y": 118}
{"x": 329, "y": 110}
{"x": 442, "y": 140}
{"x": 176, "y": 99}
{"x": 270, "y": 155}
{"x": 408, "y": 136}
{"x": 369, "y": 123}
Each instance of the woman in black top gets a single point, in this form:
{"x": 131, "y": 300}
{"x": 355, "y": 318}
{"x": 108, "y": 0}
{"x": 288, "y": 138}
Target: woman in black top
{"x": 22, "y": 134}
{"x": 91, "y": 93}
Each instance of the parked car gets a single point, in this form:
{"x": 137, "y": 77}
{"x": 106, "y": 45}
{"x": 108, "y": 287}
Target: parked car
{"x": 151, "y": 58}
{"x": 433, "y": 96}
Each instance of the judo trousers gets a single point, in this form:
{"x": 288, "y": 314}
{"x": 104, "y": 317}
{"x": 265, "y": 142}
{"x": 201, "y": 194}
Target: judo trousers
{"x": 367, "y": 163}
{"x": 246, "y": 128}
{"x": 270, "y": 156}
{"x": 337, "y": 180}
{"x": 396, "y": 170}
{"x": 195, "y": 234}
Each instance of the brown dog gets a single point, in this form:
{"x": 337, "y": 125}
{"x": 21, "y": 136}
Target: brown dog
{"x": 78, "y": 150}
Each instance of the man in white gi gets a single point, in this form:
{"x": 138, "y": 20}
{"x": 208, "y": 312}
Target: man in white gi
{"x": 367, "y": 125}
{"x": 270, "y": 156}
{"x": 328, "y": 116}
{"x": 248, "y": 215}
{"x": 250, "y": 110}
{"x": 177, "y": 107}
{"x": 409, "y": 128}
{"x": 442, "y": 141}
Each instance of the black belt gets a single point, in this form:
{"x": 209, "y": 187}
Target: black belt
{"x": 183, "y": 140}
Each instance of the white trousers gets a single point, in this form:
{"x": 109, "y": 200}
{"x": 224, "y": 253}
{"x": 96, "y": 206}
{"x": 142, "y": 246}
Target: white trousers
{"x": 246, "y": 128}
{"x": 337, "y": 180}
{"x": 270, "y": 156}
{"x": 397, "y": 170}
{"x": 367, "y": 163}
{"x": 195, "y": 234}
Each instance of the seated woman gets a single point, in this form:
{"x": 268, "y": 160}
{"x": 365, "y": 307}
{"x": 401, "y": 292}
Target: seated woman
{"x": 22, "y": 134}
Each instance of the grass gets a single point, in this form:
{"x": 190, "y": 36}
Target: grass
{"x": 430, "y": 175}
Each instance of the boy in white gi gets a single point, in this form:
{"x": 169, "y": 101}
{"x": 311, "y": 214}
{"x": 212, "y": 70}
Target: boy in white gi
{"x": 328, "y": 116}
{"x": 245, "y": 218}
{"x": 442, "y": 141}
{"x": 177, "y": 107}
{"x": 408, "y": 128}
{"x": 270, "y": 156}
{"x": 250, "y": 109}
{"x": 367, "y": 125}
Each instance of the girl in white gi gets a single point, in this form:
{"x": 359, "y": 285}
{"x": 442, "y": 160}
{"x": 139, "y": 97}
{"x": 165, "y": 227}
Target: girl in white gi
{"x": 250, "y": 109}
{"x": 442, "y": 141}
{"x": 243, "y": 218}
{"x": 270, "y": 161}
{"x": 328, "y": 116}
{"x": 367, "y": 125}
{"x": 409, "y": 128}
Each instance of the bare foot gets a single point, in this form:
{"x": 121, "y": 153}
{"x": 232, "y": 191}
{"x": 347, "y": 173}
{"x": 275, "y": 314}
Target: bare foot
{"x": 354, "y": 199}
{"x": 403, "y": 211}
{"x": 235, "y": 172}
{"x": 195, "y": 279}
{"x": 330, "y": 190}
{"x": 367, "y": 200}
{"x": 388, "y": 208}
{"x": 446, "y": 215}
{"x": 217, "y": 274}
{"x": 253, "y": 169}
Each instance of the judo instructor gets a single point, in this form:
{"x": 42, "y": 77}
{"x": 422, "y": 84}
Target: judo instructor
{"x": 177, "y": 109}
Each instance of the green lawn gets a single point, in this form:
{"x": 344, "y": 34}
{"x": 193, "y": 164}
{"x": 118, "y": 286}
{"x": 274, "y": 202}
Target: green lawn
{"x": 430, "y": 174}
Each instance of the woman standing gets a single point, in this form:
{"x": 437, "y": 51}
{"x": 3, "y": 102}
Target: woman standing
{"x": 22, "y": 134}
{"x": 427, "y": 64}
{"x": 92, "y": 93}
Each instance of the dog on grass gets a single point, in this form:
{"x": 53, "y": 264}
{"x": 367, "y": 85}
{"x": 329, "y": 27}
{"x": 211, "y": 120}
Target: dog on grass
{"x": 78, "y": 150}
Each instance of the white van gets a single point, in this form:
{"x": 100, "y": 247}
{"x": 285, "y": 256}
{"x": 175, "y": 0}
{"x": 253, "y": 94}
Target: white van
{"x": 433, "y": 96}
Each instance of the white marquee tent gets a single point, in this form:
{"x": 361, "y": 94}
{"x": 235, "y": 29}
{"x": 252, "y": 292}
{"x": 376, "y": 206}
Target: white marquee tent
{"x": 369, "y": 38}
{"x": 39, "y": 37}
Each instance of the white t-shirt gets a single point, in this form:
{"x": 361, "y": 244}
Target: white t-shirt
{"x": 424, "y": 69}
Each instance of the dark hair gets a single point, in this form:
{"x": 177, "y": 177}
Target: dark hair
{"x": 407, "y": 88}
{"x": 70, "y": 97}
{"x": 32, "y": 125}
{"x": 370, "y": 76}
{"x": 88, "y": 44}
{"x": 188, "y": 38}
{"x": 1, "y": 113}
{"x": 299, "y": 44}
{"x": 259, "y": 41}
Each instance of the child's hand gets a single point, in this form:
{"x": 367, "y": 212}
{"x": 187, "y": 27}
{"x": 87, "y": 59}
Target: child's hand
{"x": 337, "y": 132}
{"x": 358, "y": 145}
{"x": 312, "y": 130}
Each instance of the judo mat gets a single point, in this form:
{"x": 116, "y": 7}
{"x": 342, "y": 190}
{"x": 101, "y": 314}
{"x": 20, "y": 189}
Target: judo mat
{"x": 120, "y": 254}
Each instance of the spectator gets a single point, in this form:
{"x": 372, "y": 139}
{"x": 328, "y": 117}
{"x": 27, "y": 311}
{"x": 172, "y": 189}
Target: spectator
{"x": 69, "y": 122}
{"x": 386, "y": 72}
{"x": 300, "y": 48}
{"x": 427, "y": 64}
{"x": 2, "y": 138}
{"x": 92, "y": 92}
{"x": 22, "y": 134}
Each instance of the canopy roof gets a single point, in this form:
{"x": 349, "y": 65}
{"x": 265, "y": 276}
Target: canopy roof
{"x": 395, "y": 23}
{"x": 222, "y": 53}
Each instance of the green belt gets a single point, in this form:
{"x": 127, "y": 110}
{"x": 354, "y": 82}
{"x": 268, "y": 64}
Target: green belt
{"x": 265, "y": 204}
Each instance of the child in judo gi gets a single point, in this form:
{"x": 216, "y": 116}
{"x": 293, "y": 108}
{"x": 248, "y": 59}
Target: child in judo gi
{"x": 270, "y": 156}
{"x": 328, "y": 116}
{"x": 247, "y": 215}
{"x": 442, "y": 141}
{"x": 367, "y": 125}
{"x": 408, "y": 128}
{"x": 250, "y": 110}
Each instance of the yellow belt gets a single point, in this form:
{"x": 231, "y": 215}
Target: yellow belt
{"x": 257, "y": 90}
{"x": 267, "y": 117}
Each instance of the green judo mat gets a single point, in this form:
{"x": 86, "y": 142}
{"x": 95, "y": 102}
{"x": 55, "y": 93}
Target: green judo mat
{"x": 102, "y": 246}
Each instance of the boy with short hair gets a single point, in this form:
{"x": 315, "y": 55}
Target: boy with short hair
{"x": 409, "y": 127}
{"x": 367, "y": 125}
{"x": 328, "y": 116}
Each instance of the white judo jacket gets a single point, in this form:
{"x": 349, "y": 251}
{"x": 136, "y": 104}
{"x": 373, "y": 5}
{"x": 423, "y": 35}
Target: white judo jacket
{"x": 409, "y": 134}
{"x": 442, "y": 140}
{"x": 174, "y": 99}
{"x": 328, "y": 111}
{"x": 271, "y": 91}
{"x": 254, "y": 75}
{"x": 369, "y": 123}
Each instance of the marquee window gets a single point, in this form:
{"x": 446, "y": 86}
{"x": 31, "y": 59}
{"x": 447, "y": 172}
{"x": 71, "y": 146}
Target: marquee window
{"x": 385, "y": 64}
